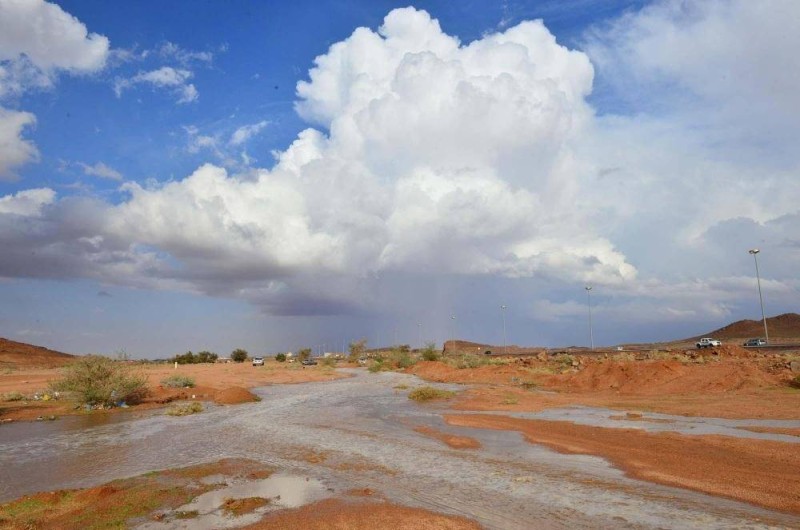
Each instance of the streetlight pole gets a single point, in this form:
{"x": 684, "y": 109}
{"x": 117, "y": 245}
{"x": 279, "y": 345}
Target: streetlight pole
{"x": 755, "y": 251}
{"x": 419, "y": 334}
{"x": 589, "y": 301}
{"x": 453, "y": 331}
{"x": 503, "y": 312}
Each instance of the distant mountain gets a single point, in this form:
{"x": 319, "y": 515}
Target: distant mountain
{"x": 786, "y": 326}
{"x": 20, "y": 355}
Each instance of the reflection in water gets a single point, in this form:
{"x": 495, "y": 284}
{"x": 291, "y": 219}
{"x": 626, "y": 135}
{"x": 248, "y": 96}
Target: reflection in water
{"x": 364, "y": 427}
{"x": 282, "y": 491}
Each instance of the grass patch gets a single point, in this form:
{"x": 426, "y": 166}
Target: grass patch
{"x": 429, "y": 393}
{"x": 178, "y": 381}
{"x": 13, "y": 396}
{"x": 401, "y": 387}
{"x": 185, "y": 409}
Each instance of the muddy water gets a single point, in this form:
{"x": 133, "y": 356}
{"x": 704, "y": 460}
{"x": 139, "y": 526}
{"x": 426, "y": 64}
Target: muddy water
{"x": 358, "y": 433}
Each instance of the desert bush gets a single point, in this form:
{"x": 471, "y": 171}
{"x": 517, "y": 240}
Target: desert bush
{"x": 564, "y": 359}
{"x": 303, "y": 354}
{"x": 178, "y": 381}
{"x": 795, "y": 382}
{"x": 330, "y": 362}
{"x": 13, "y": 396}
{"x": 468, "y": 360}
{"x": 429, "y": 393}
{"x": 377, "y": 365}
{"x": 429, "y": 353}
{"x": 184, "y": 409}
{"x": 199, "y": 358}
{"x": 239, "y": 355}
{"x": 281, "y": 357}
{"x": 97, "y": 380}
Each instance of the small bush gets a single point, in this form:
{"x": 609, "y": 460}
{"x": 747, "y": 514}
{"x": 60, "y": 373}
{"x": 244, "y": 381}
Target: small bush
{"x": 430, "y": 353}
{"x": 330, "y": 362}
{"x": 377, "y": 365}
{"x": 97, "y": 380}
{"x": 178, "y": 381}
{"x": 185, "y": 409}
{"x": 281, "y": 357}
{"x": 429, "y": 393}
{"x": 795, "y": 382}
{"x": 13, "y": 396}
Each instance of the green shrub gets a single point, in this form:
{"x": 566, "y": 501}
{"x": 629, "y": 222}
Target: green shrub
{"x": 178, "y": 381}
{"x": 377, "y": 365}
{"x": 428, "y": 393}
{"x": 191, "y": 358}
{"x": 429, "y": 353}
{"x": 97, "y": 380}
{"x": 13, "y": 396}
{"x": 184, "y": 409}
{"x": 281, "y": 357}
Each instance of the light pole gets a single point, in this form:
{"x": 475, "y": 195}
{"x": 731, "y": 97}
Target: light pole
{"x": 503, "y": 312}
{"x": 755, "y": 251}
{"x": 589, "y": 301}
{"x": 419, "y": 334}
{"x": 453, "y": 331}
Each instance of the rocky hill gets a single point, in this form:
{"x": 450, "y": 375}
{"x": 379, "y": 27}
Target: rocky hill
{"x": 786, "y": 326}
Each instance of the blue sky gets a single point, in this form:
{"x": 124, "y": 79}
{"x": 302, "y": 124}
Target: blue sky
{"x": 203, "y": 175}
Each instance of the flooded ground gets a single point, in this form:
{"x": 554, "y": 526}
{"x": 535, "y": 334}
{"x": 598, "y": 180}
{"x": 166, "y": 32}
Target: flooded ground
{"x": 359, "y": 433}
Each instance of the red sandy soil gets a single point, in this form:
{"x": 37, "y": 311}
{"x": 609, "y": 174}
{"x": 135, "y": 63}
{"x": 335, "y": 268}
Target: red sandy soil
{"x": 209, "y": 379}
{"x": 456, "y": 442}
{"x": 332, "y": 514}
{"x": 760, "y": 472}
{"x": 18, "y": 354}
{"x": 734, "y": 383}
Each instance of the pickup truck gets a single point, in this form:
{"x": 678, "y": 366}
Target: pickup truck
{"x": 708, "y": 343}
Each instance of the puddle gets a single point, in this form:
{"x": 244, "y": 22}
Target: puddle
{"x": 364, "y": 427}
{"x": 281, "y": 490}
{"x": 655, "y": 422}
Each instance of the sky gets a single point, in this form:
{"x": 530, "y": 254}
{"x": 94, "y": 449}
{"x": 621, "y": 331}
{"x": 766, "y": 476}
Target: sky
{"x": 197, "y": 175}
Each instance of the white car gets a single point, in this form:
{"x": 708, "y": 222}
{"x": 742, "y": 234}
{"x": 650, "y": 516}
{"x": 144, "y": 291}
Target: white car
{"x": 707, "y": 342}
{"x": 258, "y": 361}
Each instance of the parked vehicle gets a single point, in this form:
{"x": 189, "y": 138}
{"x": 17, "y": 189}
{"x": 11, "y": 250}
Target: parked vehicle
{"x": 258, "y": 361}
{"x": 309, "y": 362}
{"x": 755, "y": 342}
{"x": 707, "y": 342}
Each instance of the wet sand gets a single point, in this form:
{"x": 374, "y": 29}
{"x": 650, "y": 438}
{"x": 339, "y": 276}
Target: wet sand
{"x": 760, "y": 472}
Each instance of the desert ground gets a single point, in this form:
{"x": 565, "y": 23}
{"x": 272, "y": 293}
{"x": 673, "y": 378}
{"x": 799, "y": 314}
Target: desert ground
{"x": 674, "y": 437}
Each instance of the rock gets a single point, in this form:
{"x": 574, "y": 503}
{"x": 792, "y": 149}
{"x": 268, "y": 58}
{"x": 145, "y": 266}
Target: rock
{"x": 794, "y": 366}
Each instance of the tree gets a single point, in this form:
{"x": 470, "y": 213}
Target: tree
{"x": 281, "y": 357}
{"x": 239, "y": 355}
{"x": 304, "y": 354}
{"x": 357, "y": 350}
{"x": 208, "y": 357}
{"x": 97, "y": 380}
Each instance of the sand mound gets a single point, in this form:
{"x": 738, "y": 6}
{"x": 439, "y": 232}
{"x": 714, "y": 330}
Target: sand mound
{"x": 21, "y": 355}
{"x": 657, "y": 377}
{"x": 234, "y": 395}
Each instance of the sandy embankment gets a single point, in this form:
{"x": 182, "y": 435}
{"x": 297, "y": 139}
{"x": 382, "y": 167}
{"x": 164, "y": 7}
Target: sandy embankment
{"x": 223, "y": 383}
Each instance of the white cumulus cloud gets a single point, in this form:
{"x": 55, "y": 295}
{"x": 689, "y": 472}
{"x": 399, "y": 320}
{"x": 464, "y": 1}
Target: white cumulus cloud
{"x": 429, "y": 157}
{"x": 176, "y": 79}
